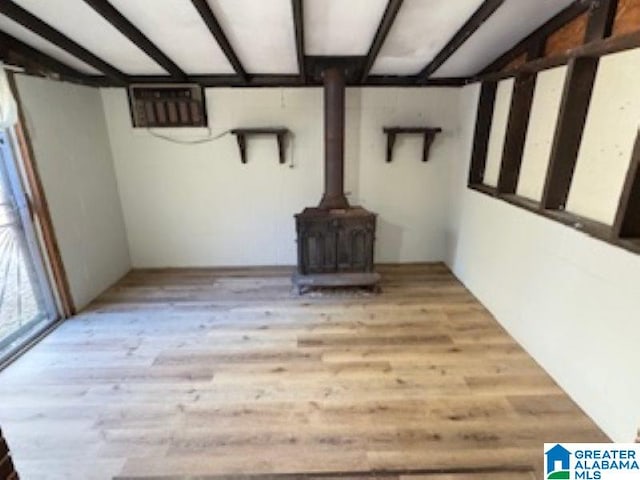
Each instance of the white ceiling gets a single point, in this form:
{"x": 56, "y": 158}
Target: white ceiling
{"x": 18, "y": 31}
{"x": 339, "y": 27}
{"x": 82, "y": 24}
{"x": 419, "y": 32}
{"x": 261, "y": 33}
{"x": 175, "y": 27}
{"x": 513, "y": 21}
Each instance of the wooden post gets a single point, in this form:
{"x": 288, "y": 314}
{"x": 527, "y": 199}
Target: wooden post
{"x": 484, "y": 119}
{"x": 627, "y": 222}
{"x": 574, "y": 107}
{"x": 517, "y": 127}
{"x": 576, "y": 98}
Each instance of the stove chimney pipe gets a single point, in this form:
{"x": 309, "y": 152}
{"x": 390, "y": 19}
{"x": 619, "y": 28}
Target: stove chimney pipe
{"x": 334, "y": 89}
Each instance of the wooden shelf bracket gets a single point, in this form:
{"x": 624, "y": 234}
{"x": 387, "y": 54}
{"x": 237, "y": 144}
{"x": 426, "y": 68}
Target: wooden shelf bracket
{"x": 242, "y": 134}
{"x": 429, "y": 134}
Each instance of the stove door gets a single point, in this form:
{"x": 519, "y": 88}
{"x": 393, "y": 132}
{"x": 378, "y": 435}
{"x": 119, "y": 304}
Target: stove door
{"x": 317, "y": 246}
{"x": 355, "y": 245}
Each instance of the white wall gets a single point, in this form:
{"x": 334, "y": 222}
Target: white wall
{"x": 542, "y": 127}
{"x": 197, "y": 205}
{"x": 609, "y": 135}
{"x": 570, "y": 300}
{"x": 67, "y": 128}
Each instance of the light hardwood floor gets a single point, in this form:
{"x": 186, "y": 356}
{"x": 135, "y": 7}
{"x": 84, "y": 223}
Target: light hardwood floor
{"x": 216, "y": 372}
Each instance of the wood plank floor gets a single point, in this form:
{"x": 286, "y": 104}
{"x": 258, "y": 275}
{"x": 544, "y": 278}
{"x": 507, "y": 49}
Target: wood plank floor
{"x": 211, "y": 373}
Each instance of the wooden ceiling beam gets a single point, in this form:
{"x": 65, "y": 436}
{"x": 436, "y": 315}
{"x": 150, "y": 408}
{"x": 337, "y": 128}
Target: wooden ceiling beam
{"x": 593, "y": 49}
{"x": 577, "y": 8}
{"x": 214, "y": 27}
{"x": 602, "y": 14}
{"x": 14, "y": 51}
{"x": 480, "y": 16}
{"x": 298, "y": 26}
{"x": 129, "y": 30}
{"x": 293, "y": 80}
{"x": 390, "y": 13}
{"x": 46, "y": 31}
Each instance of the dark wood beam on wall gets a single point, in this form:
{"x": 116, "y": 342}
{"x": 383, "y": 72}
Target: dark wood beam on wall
{"x": 539, "y": 35}
{"x": 602, "y": 14}
{"x": 216, "y": 30}
{"x": 574, "y": 106}
{"x": 298, "y": 27}
{"x": 390, "y": 13}
{"x": 517, "y": 126}
{"x": 129, "y": 30}
{"x": 588, "y": 226}
{"x": 594, "y": 49}
{"x": 480, "y": 16}
{"x": 576, "y": 98}
{"x": 627, "y": 221}
{"x": 536, "y": 50}
{"x": 33, "y": 23}
{"x": 484, "y": 119}
{"x": 14, "y": 51}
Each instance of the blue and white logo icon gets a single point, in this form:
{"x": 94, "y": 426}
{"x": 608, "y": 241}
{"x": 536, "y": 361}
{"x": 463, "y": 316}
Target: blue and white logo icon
{"x": 592, "y": 461}
{"x": 558, "y": 461}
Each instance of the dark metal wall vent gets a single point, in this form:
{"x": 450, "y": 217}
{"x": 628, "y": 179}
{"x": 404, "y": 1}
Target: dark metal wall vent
{"x": 167, "y": 106}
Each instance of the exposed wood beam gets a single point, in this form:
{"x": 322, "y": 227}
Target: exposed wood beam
{"x": 588, "y": 226}
{"x": 277, "y": 80}
{"x": 602, "y": 14}
{"x": 484, "y": 119}
{"x": 536, "y": 49}
{"x": 595, "y": 49}
{"x": 480, "y": 16}
{"x": 539, "y": 35}
{"x": 627, "y": 222}
{"x": 33, "y": 23}
{"x": 390, "y": 13}
{"x": 298, "y": 25}
{"x": 15, "y": 51}
{"x": 400, "y": 80}
{"x": 216, "y": 30}
{"x": 129, "y": 30}
{"x": 517, "y": 126}
{"x": 574, "y": 107}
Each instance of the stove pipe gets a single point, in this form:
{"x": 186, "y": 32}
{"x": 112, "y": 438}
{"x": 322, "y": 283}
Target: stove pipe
{"x": 333, "y": 197}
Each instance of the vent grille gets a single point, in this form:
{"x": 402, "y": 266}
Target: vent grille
{"x": 167, "y": 106}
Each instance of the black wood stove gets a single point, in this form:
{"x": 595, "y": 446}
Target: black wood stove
{"x": 335, "y": 240}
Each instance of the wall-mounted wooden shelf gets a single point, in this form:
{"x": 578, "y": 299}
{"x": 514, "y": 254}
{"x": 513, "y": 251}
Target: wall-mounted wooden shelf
{"x": 429, "y": 134}
{"x": 242, "y": 134}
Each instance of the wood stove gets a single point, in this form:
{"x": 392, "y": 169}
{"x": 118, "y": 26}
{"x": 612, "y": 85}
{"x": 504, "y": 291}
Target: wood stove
{"x": 335, "y": 240}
